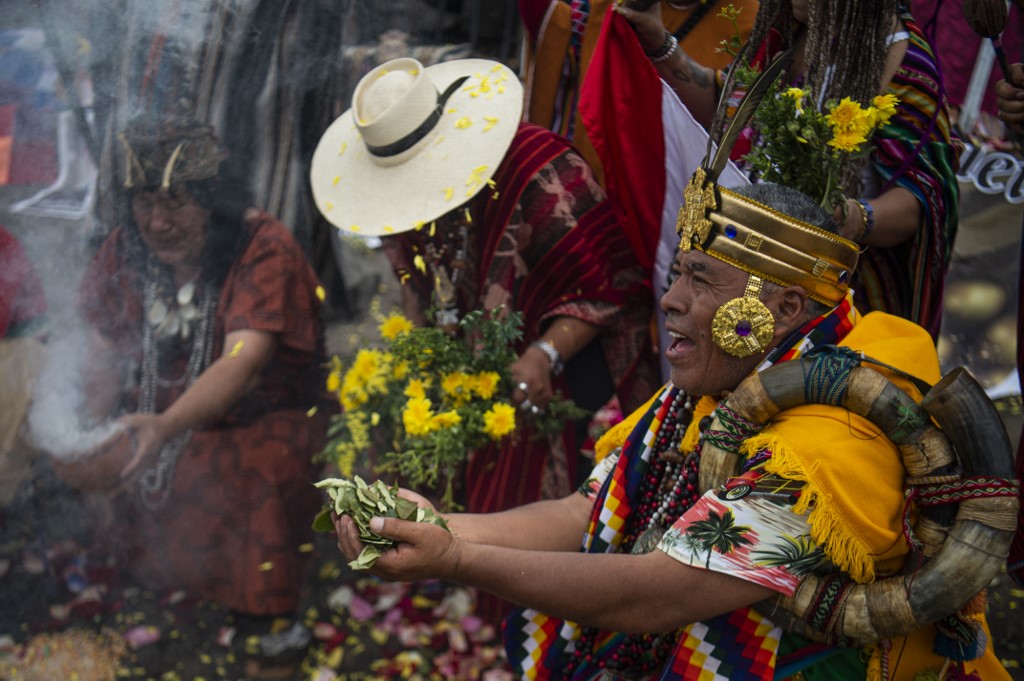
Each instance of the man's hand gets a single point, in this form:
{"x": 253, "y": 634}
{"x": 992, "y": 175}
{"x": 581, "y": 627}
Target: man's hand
{"x": 1010, "y": 98}
{"x": 421, "y": 551}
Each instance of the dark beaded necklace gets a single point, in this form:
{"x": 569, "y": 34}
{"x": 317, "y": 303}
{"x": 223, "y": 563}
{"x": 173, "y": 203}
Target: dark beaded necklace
{"x": 668, "y": 489}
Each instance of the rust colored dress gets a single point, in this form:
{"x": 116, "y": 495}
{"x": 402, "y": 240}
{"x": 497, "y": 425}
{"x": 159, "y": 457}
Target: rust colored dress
{"x": 238, "y": 518}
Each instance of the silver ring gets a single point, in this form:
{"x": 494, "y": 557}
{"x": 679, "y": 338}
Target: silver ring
{"x": 523, "y": 385}
{"x": 527, "y": 404}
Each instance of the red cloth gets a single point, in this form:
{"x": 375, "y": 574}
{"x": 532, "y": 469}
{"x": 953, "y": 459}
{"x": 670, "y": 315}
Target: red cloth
{"x": 242, "y": 500}
{"x": 532, "y": 12}
{"x": 22, "y": 303}
{"x": 620, "y": 105}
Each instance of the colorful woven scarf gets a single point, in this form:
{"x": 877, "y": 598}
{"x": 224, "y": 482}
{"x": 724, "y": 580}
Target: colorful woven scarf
{"x": 743, "y": 642}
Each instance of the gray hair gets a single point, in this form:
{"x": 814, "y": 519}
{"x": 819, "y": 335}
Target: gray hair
{"x": 797, "y": 205}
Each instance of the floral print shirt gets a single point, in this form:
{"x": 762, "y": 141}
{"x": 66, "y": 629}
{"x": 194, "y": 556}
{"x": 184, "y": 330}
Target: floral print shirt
{"x": 746, "y": 528}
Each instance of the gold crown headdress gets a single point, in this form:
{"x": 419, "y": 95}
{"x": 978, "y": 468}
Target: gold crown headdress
{"x": 766, "y": 243}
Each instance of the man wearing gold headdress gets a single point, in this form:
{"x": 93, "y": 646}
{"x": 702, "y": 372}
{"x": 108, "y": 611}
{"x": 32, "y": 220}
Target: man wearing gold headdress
{"x": 665, "y": 580}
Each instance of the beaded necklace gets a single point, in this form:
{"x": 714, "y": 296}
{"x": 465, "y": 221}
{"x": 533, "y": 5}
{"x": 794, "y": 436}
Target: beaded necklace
{"x": 668, "y": 489}
{"x": 155, "y": 481}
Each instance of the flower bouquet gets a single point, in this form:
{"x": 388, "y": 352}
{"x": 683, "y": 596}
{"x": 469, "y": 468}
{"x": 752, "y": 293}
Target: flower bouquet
{"x": 798, "y": 140}
{"x": 419, "y": 405}
{"x": 799, "y": 137}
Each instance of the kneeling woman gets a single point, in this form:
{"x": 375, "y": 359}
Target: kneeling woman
{"x": 206, "y": 344}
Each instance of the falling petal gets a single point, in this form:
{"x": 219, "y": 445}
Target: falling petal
{"x": 420, "y": 264}
{"x": 448, "y": 191}
{"x": 320, "y": 293}
{"x": 336, "y": 180}
{"x": 236, "y": 348}
{"x": 266, "y": 567}
{"x": 311, "y": 412}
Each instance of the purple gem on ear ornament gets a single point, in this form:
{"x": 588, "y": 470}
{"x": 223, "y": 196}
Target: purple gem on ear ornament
{"x": 743, "y": 328}
{"x": 730, "y": 231}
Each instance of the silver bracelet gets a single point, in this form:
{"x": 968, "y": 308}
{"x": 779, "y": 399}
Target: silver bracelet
{"x": 553, "y": 355}
{"x": 668, "y": 48}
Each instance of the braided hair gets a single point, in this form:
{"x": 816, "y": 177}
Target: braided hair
{"x": 845, "y": 52}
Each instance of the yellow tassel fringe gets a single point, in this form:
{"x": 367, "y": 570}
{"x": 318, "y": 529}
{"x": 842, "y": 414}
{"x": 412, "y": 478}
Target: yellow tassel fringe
{"x": 828, "y": 527}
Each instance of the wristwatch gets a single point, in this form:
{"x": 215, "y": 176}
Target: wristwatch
{"x": 556, "y": 359}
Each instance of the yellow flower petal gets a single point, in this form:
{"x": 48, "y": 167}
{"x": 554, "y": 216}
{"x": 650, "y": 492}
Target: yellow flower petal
{"x": 236, "y": 348}
{"x": 320, "y": 293}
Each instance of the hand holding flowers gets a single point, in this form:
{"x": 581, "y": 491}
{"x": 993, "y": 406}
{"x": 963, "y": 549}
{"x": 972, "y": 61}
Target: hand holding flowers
{"x": 418, "y": 406}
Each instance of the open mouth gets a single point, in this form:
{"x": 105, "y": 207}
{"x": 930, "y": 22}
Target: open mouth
{"x": 680, "y": 342}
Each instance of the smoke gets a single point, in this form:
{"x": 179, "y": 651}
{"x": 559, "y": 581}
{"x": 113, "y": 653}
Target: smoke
{"x": 56, "y": 425}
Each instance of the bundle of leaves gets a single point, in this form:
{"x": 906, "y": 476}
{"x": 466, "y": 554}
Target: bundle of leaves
{"x": 361, "y": 502}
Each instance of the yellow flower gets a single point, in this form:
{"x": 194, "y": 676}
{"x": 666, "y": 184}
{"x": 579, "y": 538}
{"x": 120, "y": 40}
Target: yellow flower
{"x": 352, "y": 395}
{"x": 883, "y": 108}
{"x": 457, "y": 386}
{"x": 486, "y": 383}
{"x": 446, "y": 419}
{"x": 416, "y": 389}
{"x": 797, "y": 95}
{"x": 416, "y": 417}
{"x": 345, "y": 458}
{"x": 499, "y": 420}
{"x": 334, "y": 377}
{"x": 400, "y": 371}
{"x": 847, "y": 141}
{"x": 366, "y": 364}
{"x": 394, "y": 326}
{"x": 844, "y": 115}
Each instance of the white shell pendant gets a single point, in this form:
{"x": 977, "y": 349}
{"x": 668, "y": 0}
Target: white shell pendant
{"x": 186, "y": 293}
{"x": 157, "y": 312}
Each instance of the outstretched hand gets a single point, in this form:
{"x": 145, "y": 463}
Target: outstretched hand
{"x": 421, "y": 550}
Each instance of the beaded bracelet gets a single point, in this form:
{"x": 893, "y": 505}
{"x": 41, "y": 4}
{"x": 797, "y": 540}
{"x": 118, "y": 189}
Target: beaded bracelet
{"x": 666, "y": 50}
{"x": 867, "y": 214}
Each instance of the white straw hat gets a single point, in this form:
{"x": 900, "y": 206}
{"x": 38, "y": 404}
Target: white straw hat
{"x": 417, "y": 143}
